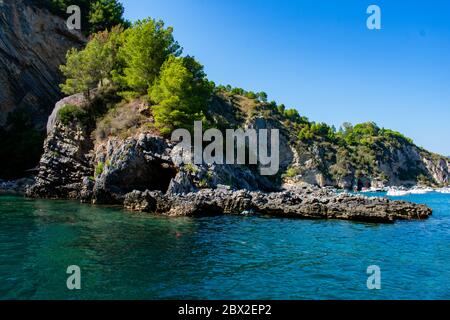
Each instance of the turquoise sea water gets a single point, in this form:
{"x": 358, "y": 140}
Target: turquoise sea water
{"x": 132, "y": 256}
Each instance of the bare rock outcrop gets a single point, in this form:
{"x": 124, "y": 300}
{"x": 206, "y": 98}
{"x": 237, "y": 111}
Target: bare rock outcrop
{"x": 65, "y": 168}
{"x": 306, "y": 203}
{"x": 131, "y": 164}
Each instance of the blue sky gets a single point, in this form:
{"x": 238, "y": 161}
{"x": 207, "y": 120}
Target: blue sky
{"x": 320, "y": 58}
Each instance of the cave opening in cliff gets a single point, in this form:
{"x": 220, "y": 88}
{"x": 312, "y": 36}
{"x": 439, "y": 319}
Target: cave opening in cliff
{"x": 160, "y": 178}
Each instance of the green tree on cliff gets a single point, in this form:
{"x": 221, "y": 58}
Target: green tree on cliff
{"x": 87, "y": 69}
{"x": 181, "y": 94}
{"x": 105, "y": 14}
{"x": 147, "y": 45}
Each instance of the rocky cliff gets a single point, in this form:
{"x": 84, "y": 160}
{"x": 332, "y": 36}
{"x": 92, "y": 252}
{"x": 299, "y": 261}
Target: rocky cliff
{"x": 375, "y": 166}
{"x": 108, "y": 156}
{"x": 142, "y": 173}
{"x": 33, "y": 43}
{"x": 109, "y": 150}
{"x": 77, "y": 164}
{"x": 119, "y": 158}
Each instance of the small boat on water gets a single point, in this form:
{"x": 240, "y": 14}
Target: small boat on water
{"x": 445, "y": 190}
{"x": 398, "y": 192}
{"x": 393, "y": 192}
{"x": 371, "y": 190}
{"x": 421, "y": 190}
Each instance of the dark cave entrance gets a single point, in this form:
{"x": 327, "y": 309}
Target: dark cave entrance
{"x": 154, "y": 177}
{"x": 161, "y": 177}
{"x": 363, "y": 183}
{"x": 359, "y": 185}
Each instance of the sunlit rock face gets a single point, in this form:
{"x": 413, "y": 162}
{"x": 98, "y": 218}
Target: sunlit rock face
{"x": 33, "y": 43}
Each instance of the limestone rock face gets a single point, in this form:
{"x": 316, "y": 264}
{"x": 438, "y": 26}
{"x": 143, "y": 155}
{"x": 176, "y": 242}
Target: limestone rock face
{"x": 65, "y": 168}
{"x": 136, "y": 163}
{"x": 32, "y": 47}
{"x": 398, "y": 165}
{"x": 143, "y": 173}
{"x": 33, "y": 43}
{"x": 438, "y": 168}
{"x": 195, "y": 177}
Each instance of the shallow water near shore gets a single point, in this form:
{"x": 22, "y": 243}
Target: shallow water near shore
{"x": 125, "y": 255}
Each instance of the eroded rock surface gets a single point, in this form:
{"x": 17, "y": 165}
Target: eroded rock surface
{"x": 305, "y": 203}
{"x": 65, "y": 169}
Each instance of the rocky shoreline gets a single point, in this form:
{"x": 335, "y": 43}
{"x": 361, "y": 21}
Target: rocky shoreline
{"x": 140, "y": 173}
{"x": 301, "y": 203}
{"x": 143, "y": 172}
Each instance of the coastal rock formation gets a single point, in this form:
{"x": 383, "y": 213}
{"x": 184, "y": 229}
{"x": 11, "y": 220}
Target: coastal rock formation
{"x": 33, "y": 43}
{"x": 307, "y": 203}
{"x": 76, "y": 166}
{"x": 438, "y": 167}
{"x": 143, "y": 171}
{"x": 65, "y": 168}
{"x": 147, "y": 160}
{"x": 394, "y": 163}
{"x": 130, "y": 164}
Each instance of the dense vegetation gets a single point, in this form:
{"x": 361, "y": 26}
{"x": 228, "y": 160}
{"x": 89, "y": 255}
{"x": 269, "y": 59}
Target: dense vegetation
{"x": 143, "y": 60}
{"x": 70, "y": 113}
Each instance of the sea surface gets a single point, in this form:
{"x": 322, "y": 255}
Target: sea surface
{"x": 124, "y": 255}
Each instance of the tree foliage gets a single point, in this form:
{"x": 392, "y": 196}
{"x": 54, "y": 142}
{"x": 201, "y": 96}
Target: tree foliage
{"x": 70, "y": 113}
{"x": 181, "y": 94}
{"x": 147, "y": 45}
{"x": 86, "y": 69}
{"x": 96, "y": 15}
{"x": 105, "y": 14}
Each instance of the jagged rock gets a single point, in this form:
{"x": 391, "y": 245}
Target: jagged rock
{"x": 136, "y": 163}
{"x": 181, "y": 184}
{"x": 399, "y": 165}
{"x": 66, "y": 164}
{"x": 146, "y": 201}
{"x": 438, "y": 168}
{"x": 286, "y": 151}
{"x": 86, "y": 192}
{"x": 144, "y": 173}
{"x": 194, "y": 177}
{"x": 33, "y": 44}
{"x": 303, "y": 203}
{"x": 141, "y": 201}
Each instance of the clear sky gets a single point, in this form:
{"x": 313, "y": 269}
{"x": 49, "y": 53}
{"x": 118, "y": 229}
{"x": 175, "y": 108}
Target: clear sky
{"x": 320, "y": 58}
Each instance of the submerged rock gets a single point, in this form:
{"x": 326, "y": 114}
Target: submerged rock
{"x": 16, "y": 186}
{"x": 307, "y": 203}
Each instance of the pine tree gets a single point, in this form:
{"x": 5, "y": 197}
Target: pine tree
{"x": 87, "y": 69}
{"x": 181, "y": 94}
{"x": 105, "y": 14}
{"x": 147, "y": 45}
